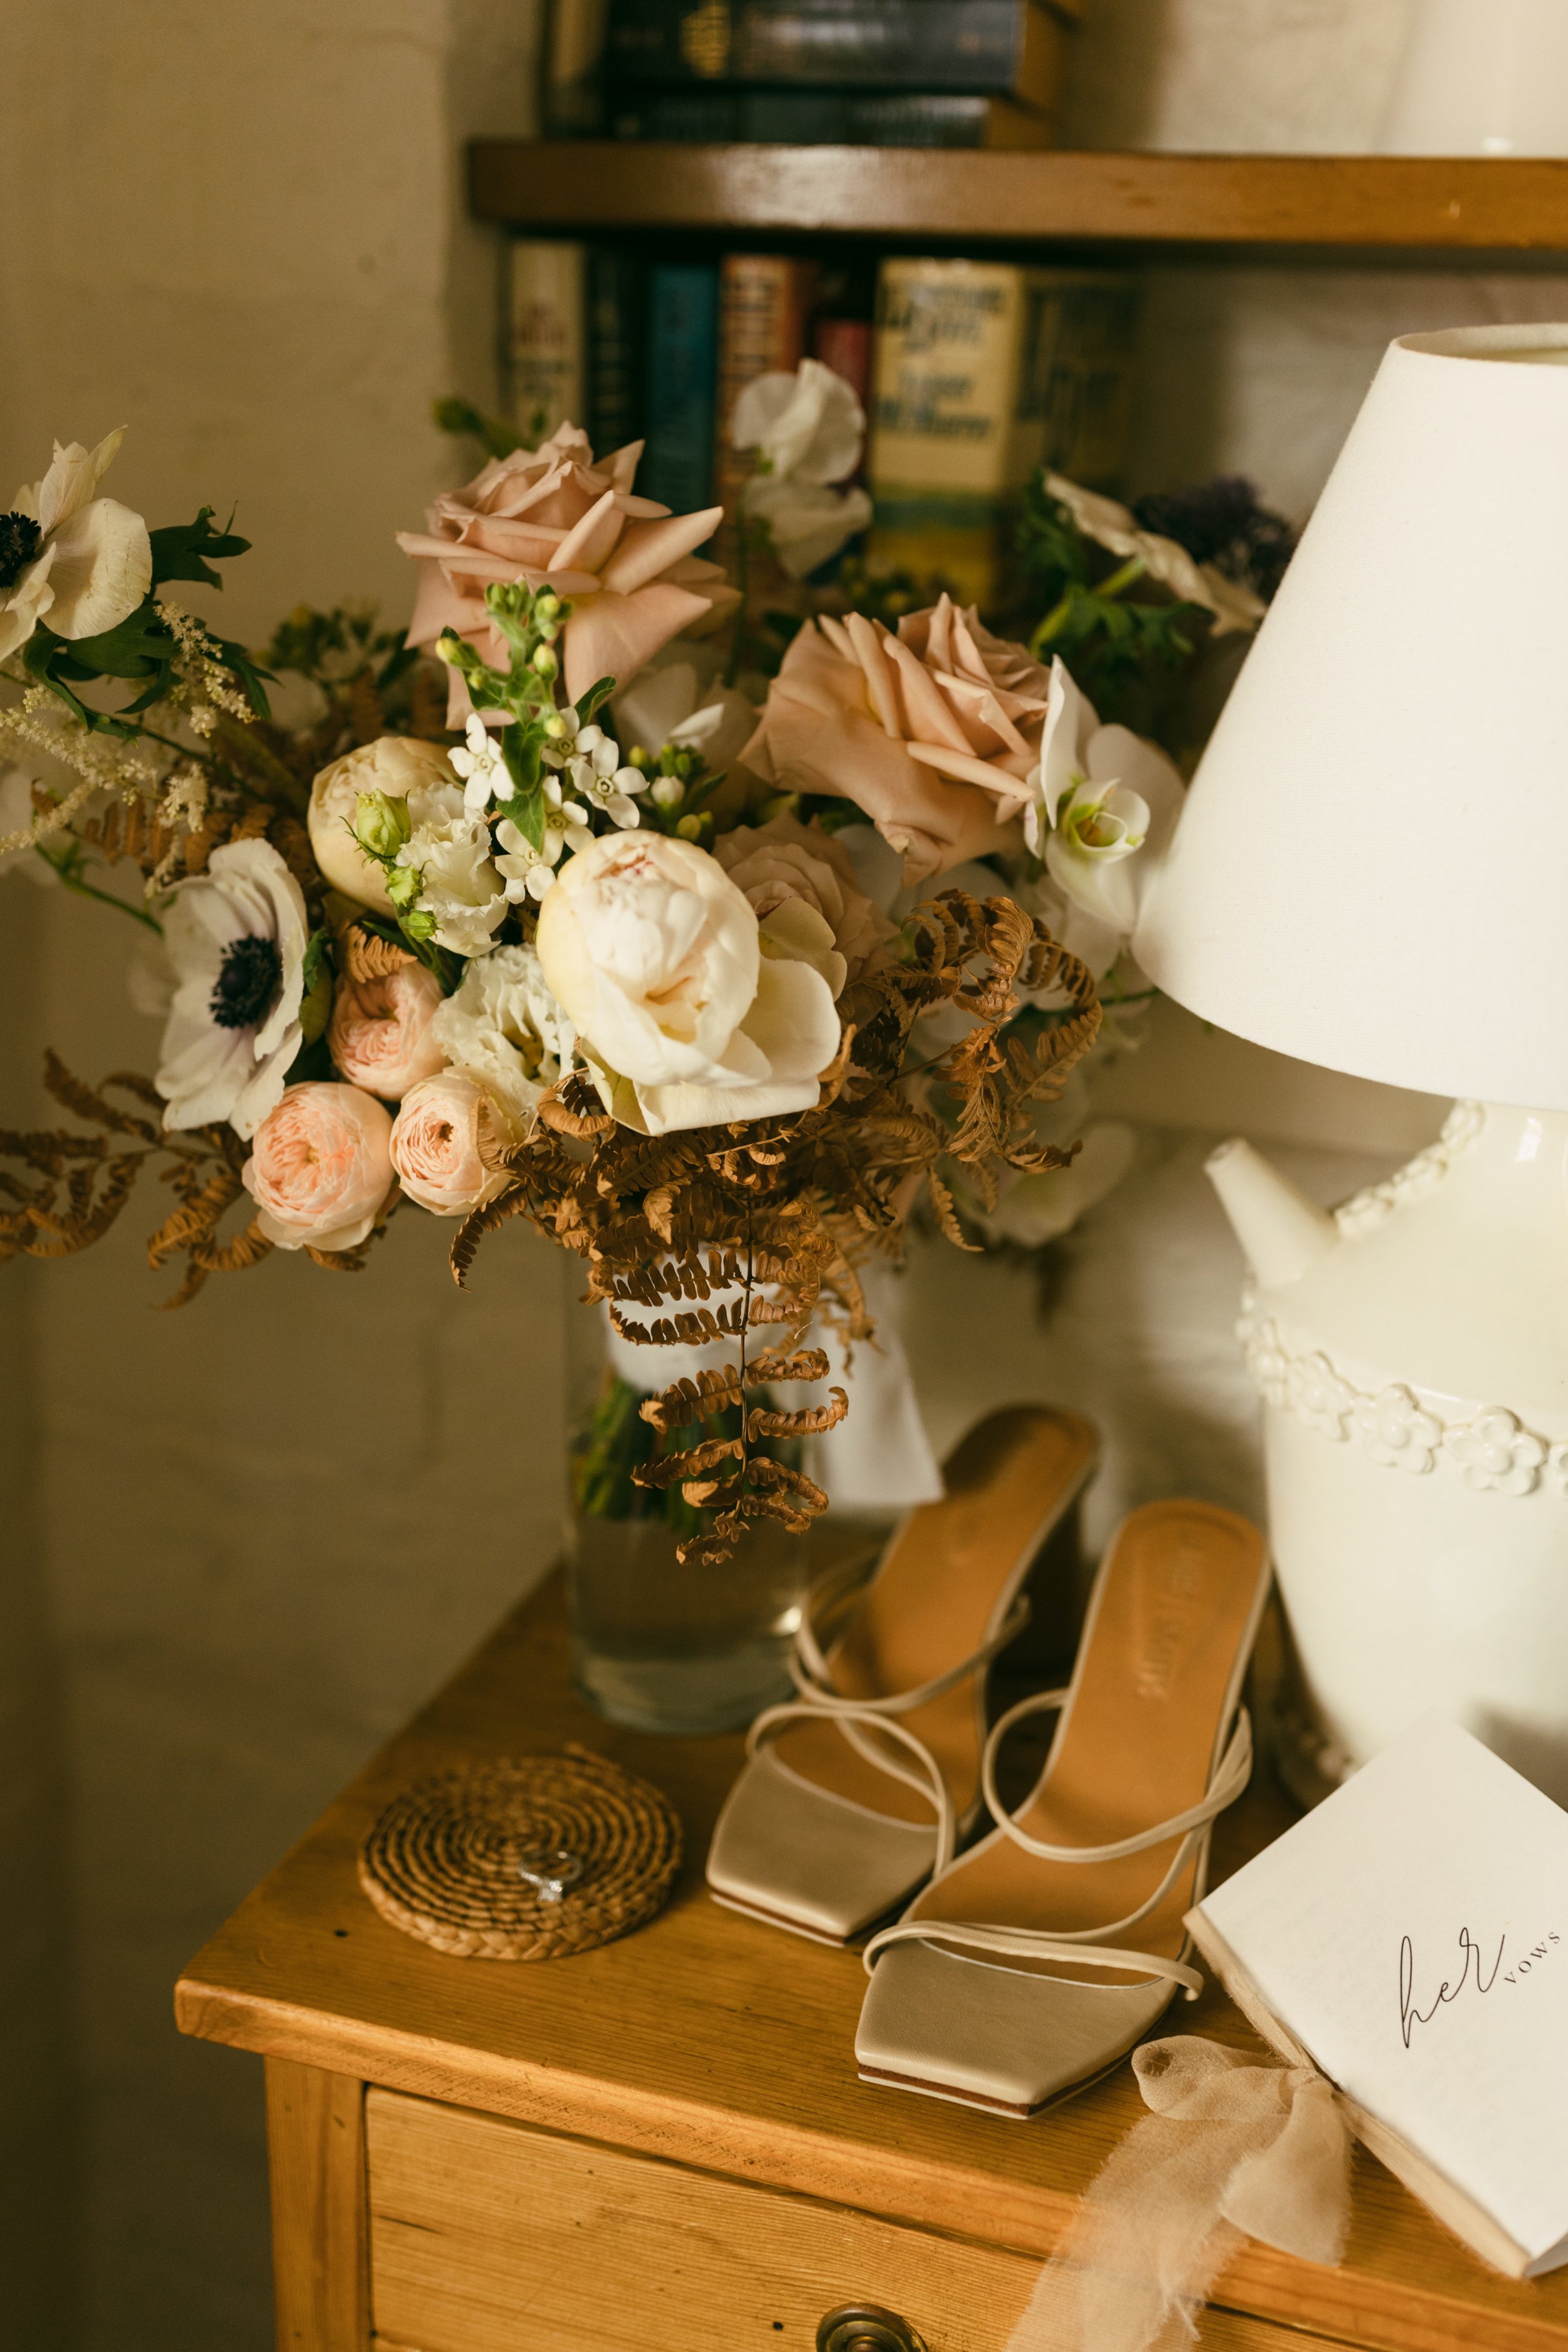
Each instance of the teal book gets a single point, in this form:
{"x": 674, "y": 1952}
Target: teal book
{"x": 681, "y": 375}
{"x": 617, "y": 335}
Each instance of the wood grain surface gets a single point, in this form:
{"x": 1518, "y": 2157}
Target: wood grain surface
{"x": 710, "y": 2041}
{"x": 1391, "y": 202}
{"x": 321, "y": 2253}
{"x": 478, "y": 2231}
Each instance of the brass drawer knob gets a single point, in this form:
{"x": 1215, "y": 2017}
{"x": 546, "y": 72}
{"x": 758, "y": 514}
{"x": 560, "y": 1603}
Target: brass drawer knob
{"x": 866, "y": 2327}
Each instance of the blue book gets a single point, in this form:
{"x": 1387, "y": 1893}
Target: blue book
{"x": 682, "y": 365}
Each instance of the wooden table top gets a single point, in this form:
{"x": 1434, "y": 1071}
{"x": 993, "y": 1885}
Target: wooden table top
{"x": 712, "y": 2040}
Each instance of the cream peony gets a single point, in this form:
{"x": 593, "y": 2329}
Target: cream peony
{"x": 503, "y": 1029}
{"x": 654, "y": 955}
{"x": 435, "y": 1147}
{"x": 380, "y": 1034}
{"x": 235, "y": 939}
{"x": 395, "y": 765}
{"x": 802, "y": 889}
{"x": 809, "y": 429}
{"x": 321, "y": 1168}
{"x": 932, "y": 732}
{"x": 79, "y": 563}
{"x": 552, "y": 517}
{"x": 1099, "y": 795}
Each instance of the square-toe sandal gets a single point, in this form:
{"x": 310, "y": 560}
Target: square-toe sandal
{"x": 1032, "y": 1964}
{"x": 859, "y": 1789}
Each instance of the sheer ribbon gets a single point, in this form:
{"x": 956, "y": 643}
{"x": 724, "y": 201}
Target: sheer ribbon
{"x": 1230, "y": 2150}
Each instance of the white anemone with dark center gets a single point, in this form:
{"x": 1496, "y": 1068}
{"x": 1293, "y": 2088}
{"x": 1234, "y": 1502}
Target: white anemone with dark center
{"x": 236, "y": 939}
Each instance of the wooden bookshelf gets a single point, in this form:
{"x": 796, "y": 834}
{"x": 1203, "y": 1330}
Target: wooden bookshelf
{"x": 1335, "y": 203}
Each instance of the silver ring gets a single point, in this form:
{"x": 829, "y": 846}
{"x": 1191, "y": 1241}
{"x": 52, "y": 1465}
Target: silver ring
{"x": 549, "y": 1874}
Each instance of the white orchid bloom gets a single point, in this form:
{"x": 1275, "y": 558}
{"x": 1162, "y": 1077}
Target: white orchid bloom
{"x": 1095, "y": 798}
{"x": 80, "y": 563}
{"x": 597, "y": 773}
{"x": 485, "y": 774}
{"x": 668, "y": 703}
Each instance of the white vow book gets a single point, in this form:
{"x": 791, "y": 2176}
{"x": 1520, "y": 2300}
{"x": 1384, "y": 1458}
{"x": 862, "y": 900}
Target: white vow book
{"x": 1410, "y": 1940}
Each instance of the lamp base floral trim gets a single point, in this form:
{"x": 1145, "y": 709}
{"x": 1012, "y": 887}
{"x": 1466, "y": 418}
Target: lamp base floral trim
{"x": 1419, "y": 1177}
{"x": 1488, "y": 1448}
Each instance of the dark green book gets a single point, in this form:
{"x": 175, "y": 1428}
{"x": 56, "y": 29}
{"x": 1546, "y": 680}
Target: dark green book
{"x": 617, "y": 334}
{"x": 986, "y": 48}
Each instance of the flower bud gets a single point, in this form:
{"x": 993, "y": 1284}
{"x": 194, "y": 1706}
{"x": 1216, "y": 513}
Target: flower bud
{"x": 402, "y": 885}
{"x": 546, "y": 605}
{"x": 667, "y": 793}
{"x": 381, "y": 823}
{"x": 545, "y": 662}
{"x": 638, "y": 756}
{"x": 555, "y": 726}
{"x": 690, "y": 828}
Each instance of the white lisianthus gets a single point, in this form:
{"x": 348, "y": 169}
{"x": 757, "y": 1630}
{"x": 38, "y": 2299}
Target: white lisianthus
{"x": 528, "y": 871}
{"x": 809, "y": 429}
{"x": 234, "y": 938}
{"x": 1096, "y": 799}
{"x": 485, "y": 773}
{"x": 604, "y": 783}
{"x": 459, "y": 884}
{"x": 80, "y": 563}
{"x": 394, "y": 764}
{"x": 654, "y": 953}
{"x": 669, "y": 703}
{"x": 503, "y": 1029}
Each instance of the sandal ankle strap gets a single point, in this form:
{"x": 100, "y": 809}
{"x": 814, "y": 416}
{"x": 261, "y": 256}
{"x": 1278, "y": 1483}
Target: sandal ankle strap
{"x": 813, "y": 1678}
{"x": 1032, "y": 1944}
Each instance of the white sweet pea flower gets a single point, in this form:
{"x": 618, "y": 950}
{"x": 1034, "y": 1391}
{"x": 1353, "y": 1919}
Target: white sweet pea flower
{"x": 654, "y": 955}
{"x": 809, "y": 429}
{"x": 485, "y": 772}
{"x": 80, "y": 563}
{"x": 1117, "y": 530}
{"x": 598, "y": 775}
{"x": 1096, "y": 797}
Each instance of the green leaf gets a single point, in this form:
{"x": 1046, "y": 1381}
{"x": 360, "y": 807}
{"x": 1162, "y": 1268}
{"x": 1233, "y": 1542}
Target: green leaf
{"x": 494, "y": 434}
{"x": 182, "y": 550}
{"x": 526, "y": 811}
{"x": 599, "y": 692}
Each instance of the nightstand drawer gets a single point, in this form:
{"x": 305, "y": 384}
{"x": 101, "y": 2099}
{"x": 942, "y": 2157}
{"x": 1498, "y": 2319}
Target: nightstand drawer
{"x": 489, "y": 2236}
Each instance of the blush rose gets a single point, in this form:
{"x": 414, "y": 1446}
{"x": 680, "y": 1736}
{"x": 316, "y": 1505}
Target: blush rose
{"x": 380, "y": 1034}
{"x": 435, "y": 1147}
{"x": 321, "y": 1168}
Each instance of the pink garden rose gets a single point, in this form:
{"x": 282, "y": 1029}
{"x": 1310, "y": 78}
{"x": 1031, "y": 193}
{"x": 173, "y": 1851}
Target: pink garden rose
{"x": 552, "y": 517}
{"x": 321, "y": 1167}
{"x": 380, "y": 1032}
{"x": 932, "y": 732}
{"x": 801, "y": 885}
{"x": 435, "y": 1147}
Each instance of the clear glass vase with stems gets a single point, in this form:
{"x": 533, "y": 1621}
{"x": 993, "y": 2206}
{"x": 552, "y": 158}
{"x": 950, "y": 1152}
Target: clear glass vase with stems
{"x": 659, "y": 1644}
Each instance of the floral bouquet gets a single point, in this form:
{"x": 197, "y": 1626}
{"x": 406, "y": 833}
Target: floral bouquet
{"x": 711, "y": 1028}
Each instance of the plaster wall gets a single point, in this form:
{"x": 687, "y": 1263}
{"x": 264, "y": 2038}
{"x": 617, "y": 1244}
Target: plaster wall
{"x": 243, "y": 1541}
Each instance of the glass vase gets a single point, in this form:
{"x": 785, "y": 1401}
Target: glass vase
{"x": 657, "y": 1645}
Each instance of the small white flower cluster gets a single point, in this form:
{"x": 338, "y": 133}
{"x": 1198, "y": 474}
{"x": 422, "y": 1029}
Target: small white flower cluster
{"x": 587, "y": 756}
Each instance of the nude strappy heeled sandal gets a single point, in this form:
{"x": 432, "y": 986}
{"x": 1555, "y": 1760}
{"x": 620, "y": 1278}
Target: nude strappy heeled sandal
{"x": 857, "y": 1789}
{"x": 1031, "y": 1965}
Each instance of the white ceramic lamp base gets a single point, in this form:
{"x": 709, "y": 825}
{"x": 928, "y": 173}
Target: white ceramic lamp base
{"x": 1412, "y": 1353}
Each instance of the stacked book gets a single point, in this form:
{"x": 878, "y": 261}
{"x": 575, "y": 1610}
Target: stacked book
{"x": 972, "y": 374}
{"x": 879, "y": 73}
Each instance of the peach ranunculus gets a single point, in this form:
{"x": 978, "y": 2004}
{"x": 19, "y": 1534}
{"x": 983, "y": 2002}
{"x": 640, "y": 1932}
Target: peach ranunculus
{"x": 932, "y": 732}
{"x": 321, "y": 1168}
{"x": 435, "y": 1147}
{"x": 553, "y": 517}
{"x": 802, "y": 889}
{"x": 379, "y": 1031}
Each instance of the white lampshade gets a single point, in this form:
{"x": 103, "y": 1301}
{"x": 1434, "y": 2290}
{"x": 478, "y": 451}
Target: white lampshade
{"x": 1371, "y": 868}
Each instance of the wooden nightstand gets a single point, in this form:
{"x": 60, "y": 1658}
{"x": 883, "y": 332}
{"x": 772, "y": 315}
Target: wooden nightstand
{"x": 662, "y": 2146}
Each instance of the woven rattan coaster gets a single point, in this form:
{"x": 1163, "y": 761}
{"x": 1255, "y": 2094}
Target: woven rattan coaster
{"x": 530, "y": 1859}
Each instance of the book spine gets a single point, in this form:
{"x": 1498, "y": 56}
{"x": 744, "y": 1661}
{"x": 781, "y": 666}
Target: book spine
{"x": 1015, "y": 49}
{"x": 1078, "y": 375}
{"x": 617, "y": 340}
{"x": 571, "y": 97}
{"x": 845, "y": 346}
{"x": 545, "y": 334}
{"x": 764, "y": 309}
{"x": 682, "y": 343}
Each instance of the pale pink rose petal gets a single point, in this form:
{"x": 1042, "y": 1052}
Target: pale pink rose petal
{"x": 648, "y": 548}
{"x": 611, "y": 637}
{"x": 379, "y": 1034}
{"x": 435, "y": 1147}
{"x": 321, "y": 1168}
